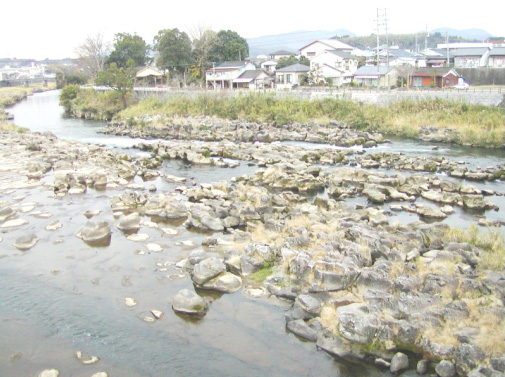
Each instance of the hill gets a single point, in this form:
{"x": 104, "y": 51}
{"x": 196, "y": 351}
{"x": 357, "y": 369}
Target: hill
{"x": 469, "y": 34}
{"x": 290, "y": 41}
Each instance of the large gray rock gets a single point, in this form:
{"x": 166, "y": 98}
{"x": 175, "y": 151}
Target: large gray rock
{"x": 422, "y": 366}
{"x": 130, "y": 223}
{"x": 26, "y": 242}
{"x": 95, "y": 231}
{"x": 189, "y": 302}
{"x": 196, "y": 256}
{"x": 335, "y": 346}
{"x": 467, "y": 357}
{"x": 300, "y": 328}
{"x": 399, "y": 362}
{"x": 356, "y": 323}
{"x": 445, "y": 369}
{"x": 207, "y": 269}
{"x": 225, "y": 282}
{"x": 375, "y": 196}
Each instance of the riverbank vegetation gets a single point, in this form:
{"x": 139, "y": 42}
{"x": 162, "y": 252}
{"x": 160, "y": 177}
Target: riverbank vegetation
{"x": 473, "y": 124}
{"x": 90, "y": 104}
{"x": 10, "y": 95}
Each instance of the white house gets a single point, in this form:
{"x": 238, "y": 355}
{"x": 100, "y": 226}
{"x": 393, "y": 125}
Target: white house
{"x": 315, "y": 48}
{"x": 255, "y": 79}
{"x": 335, "y": 66}
{"x": 222, "y": 76}
{"x": 286, "y": 78}
{"x": 269, "y": 65}
{"x": 280, "y": 54}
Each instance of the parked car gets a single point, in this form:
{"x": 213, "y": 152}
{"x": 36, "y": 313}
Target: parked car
{"x": 461, "y": 85}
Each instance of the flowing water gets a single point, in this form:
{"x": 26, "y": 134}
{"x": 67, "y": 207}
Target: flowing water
{"x": 64, "y": 296}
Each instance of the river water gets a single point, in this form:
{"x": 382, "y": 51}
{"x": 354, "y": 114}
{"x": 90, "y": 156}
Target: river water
{"x": 64, "y": 296}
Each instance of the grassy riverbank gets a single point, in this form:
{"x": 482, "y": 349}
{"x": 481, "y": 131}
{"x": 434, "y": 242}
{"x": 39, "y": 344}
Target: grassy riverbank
{"x": 90, "y": 104}
{"x": 13, "y": 94}
{"x": 475, "y": 125}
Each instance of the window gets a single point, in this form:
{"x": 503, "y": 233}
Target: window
{"x": 288, "y": 78}
{"x": 280, "y": 79}
{"x": 311, "y": 54}
{"x": 418, "y": 81}
{"x": 447, "y": 81}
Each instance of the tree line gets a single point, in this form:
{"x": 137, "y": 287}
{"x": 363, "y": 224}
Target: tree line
{"x": 182, "y": 56}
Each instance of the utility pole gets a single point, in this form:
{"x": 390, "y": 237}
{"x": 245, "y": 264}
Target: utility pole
{"x": 426, "y": 39}
{"x": 382, "y": 22}
{"x": 447, "y": 47}
{"x": 378, "y": 46}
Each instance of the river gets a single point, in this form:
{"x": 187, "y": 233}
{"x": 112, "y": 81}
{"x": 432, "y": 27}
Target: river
{"x": 64, "y": 296}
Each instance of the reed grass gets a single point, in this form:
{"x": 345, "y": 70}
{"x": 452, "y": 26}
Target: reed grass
{"x": 476, "y": 125}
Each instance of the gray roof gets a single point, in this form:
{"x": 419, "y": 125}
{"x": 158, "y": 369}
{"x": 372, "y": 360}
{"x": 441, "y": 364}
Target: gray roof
{"x": 281, "y": 52}
{"x": 237, "y": 64}
{"x": 497, "y": 51}
{"x": 479, "y": 51}
{"x": 250, "y": 74}
{"x": 342, "y": 54}
{"x": 441, "y": 51}
{"x": 371, "y": 70}
{"x": 398, "y": 53}
{"x": 295, "y": 68}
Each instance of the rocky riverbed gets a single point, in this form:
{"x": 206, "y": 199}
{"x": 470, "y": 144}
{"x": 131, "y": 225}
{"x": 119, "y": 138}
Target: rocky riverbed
{"x": 360, "y": 285}
{"x": 216, "y": 129}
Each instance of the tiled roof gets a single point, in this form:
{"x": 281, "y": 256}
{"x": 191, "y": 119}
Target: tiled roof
{"x": 295, "y": 68}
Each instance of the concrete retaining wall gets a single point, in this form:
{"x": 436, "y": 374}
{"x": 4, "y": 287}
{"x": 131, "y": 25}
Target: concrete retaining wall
{"x": 383, "y": 98}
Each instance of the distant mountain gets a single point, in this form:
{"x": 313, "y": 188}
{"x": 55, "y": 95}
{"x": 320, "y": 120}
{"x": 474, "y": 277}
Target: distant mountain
{"x": 470, "y": 34}
{"x": 290, "y": 41}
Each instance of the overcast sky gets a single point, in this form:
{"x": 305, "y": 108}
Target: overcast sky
{"x": 53, "y": 28}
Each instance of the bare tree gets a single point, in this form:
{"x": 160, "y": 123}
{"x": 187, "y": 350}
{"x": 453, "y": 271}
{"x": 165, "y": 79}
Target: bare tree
{"x": 405, "y": 71}
{"x": 93, "y": 53}
{"x": 203, "y": 39}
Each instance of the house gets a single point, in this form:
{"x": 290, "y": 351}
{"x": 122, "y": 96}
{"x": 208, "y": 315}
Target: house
{"x": 471, "y": 57}
{"x": 269, "y": 65}
{"x": 401, "y": 57}
{"x": 497, "y": 58}
{"x": 253, "y": 79}
{"x": 287, "y": 77}
{"x": 437, "y": 57}
{"x": 280, "y": 54}
{"x": 315, "y": 48}
{"x": 371, "y": 75}
{"x": 149, "y": 75}
{"x": 439, "y": 77}
{"x": 334, "y": 66}
{"x": 222, "y": 76}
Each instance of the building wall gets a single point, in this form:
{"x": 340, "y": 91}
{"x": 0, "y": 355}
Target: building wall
{"x": 467, "y": 62}
{"x": 497, "y": 62}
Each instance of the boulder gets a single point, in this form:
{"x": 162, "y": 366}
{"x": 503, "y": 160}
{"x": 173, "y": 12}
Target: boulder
{"x": 130, "y": 223}
{"x": 95, "y": 231}
{"x": 49, "y": 373}
{"x": 225, "y": 282}
{"x": 207, "y": 269}
{"x": 467, "y": 357}
{"x": 422, "y": 366}
{"x": 445, "y": 369}
{"x": 356, "y": 323}
{"x": 399, "y": 362}
{"x": 196, "y": 256}
{"x": 189, "y": 302}
{"x": 26, "y": 242}
{"x": 299, "y": 327}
